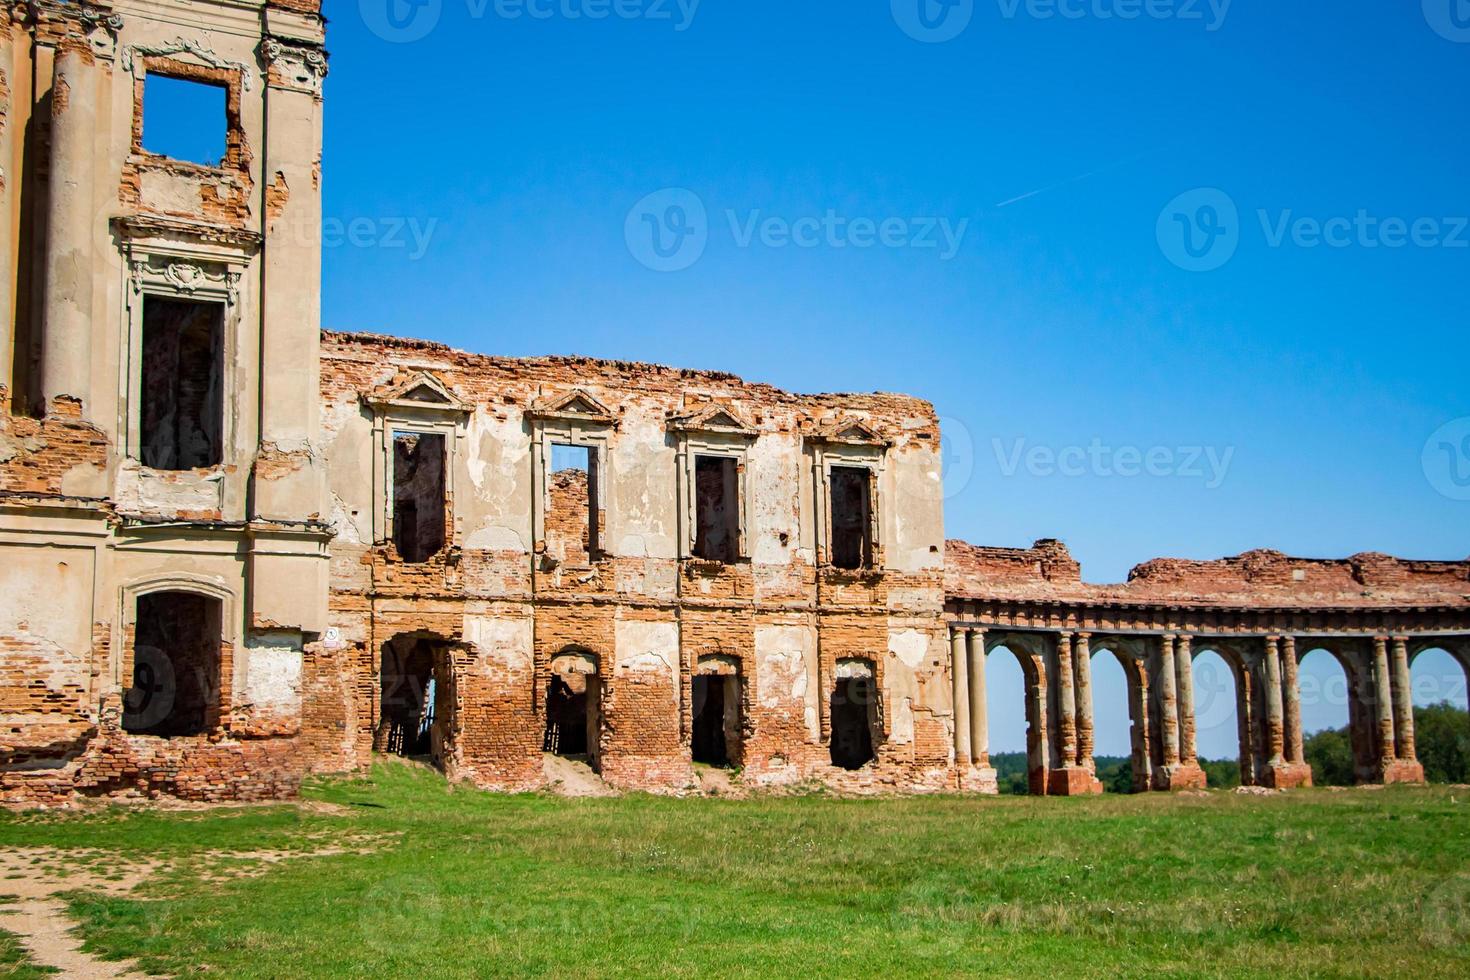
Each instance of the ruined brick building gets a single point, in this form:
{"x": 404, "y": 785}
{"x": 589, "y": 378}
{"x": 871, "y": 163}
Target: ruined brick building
{"x": 235, "y": 550}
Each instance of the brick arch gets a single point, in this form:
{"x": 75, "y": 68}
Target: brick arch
{"x": 575, "y": 658}
{"x": 1131, "y": 654}
{"x": 715, "y": 650}
{"x": 406, "y": 650}
{"x": 1459, "y": 651}
{"x": 1237, "y": 660}
{"x": 1354, "y": 656}
{"x": 1029, "y": 651}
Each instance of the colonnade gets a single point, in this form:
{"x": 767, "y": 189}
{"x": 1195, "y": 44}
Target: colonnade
{"x": 1057, "y": 665}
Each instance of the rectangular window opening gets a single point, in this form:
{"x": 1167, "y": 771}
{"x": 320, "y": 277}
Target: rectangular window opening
{"x": 572, "y": 532}
{"x": 717, "y": 508}
{"x": 419, "y": 504}
{"x": 184, "y": 119}
{"x": 182, "y": 400}
{"x": 852, "y": 524}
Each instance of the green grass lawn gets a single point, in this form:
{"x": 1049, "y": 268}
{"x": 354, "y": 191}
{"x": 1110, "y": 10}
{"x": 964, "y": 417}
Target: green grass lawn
{"x": 444, "y": 883}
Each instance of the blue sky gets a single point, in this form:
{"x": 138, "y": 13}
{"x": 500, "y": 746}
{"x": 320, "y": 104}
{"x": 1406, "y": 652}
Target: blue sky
{"x": 1299, "y": 394}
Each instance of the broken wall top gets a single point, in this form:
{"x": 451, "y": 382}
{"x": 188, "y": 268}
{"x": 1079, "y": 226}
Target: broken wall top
{"x": 1257, "y": 579}
{"x": 495, "y": 383}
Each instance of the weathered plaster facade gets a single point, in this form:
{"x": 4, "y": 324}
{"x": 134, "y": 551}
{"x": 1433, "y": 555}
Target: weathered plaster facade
{"x": 111, "y": 490}
{"x": 234, "y": 549}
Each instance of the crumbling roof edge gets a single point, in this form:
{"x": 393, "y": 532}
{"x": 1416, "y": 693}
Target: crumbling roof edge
{"x": 437, "y": 347}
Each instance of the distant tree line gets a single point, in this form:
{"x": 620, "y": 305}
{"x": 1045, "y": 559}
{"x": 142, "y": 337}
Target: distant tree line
{"x": 1441, "y": 738}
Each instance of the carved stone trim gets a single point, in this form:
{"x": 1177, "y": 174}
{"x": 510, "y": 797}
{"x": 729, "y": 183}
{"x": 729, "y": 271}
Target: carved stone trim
{"x": 300, "y": 68}
{"x": 186, "y": 278}
{"x": 134, "y": 53}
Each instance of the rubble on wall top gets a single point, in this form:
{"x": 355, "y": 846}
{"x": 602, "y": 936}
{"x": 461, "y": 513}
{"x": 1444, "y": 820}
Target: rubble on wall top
{"x": 1262, "y": 577}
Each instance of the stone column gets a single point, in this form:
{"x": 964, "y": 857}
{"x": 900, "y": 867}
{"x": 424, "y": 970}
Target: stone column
{"x": 979, "y": 706}
{"x": 960, "y": 679}
{"x": 1403, "y": 701}
{"x": 1066, "y": 700}
{"x": 1291, "y": 701}
{"x": 1082, "y": 665}
{"x": 1275, "y": 741}
{"x": 290, "y": 295}
{"x": 7, "y": 238}
{"x": 1184, "y": 673}
{"x": 1168, "y": 702}
{"x": 66, "y": 361}
{"x": 1383, "y": 700}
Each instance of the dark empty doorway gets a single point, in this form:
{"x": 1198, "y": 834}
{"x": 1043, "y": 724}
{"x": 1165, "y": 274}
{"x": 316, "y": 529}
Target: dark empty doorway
{"x": 176, "y": 666}
{"x": 716, "y": 705}
{"x": 574, "y": 708}
{"x": 853, "y": 703}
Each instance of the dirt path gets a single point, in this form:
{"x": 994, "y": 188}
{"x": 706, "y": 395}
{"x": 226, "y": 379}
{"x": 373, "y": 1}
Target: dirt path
{"x": 34, "y": 876}
{"x": 571, "y": 777}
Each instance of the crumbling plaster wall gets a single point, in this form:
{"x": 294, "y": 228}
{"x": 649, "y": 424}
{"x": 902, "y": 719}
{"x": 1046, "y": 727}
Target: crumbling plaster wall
{"x": 647, "y": 614}
{"x": 82, "y": 522}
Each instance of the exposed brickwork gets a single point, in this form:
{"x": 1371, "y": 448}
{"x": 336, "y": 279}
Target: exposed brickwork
{"x": 37, "y": 455}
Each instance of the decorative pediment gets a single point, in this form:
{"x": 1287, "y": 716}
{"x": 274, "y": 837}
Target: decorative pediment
{"x": 422, "y": 392}
{"x": 573, "y": 406}
{"x": 712, "y": 418}
{"x": 851, "y": 431}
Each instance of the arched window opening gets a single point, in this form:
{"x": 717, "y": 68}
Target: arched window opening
{"x": 176, "y": 666}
